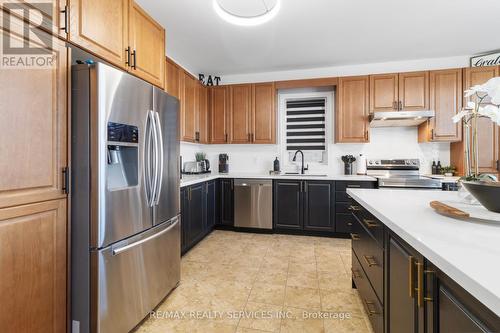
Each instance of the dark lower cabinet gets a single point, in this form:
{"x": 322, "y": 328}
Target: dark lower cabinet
{"x": 404, "y": 314}
{"x": 304, "y": 205}
{"x": 198, "y": 213}
{"x": 343, "y": 216}
{"x": 452, "y": 309}
{"x": 319, "y": 205}
{"x": 417, "y": 297}
{"x": 288, "y": 205}
{"x": 211, "y": 188}
{"x": 226, "y": 207}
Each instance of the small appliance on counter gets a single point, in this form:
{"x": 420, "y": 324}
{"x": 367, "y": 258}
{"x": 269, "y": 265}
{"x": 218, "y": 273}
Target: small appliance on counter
{"x": 348, "y": 160}
{"x": 223, "y": 166}
{"x": 195, "y": 168}
{"x": 361, "y": 165}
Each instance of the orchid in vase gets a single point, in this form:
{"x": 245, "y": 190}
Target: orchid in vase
{"x": 485, "y": 104}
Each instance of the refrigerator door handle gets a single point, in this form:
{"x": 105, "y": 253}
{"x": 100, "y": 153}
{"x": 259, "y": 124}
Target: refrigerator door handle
{"x": 147, "y": 239}
{"x": 159, "y": 159}
{"x": 154, "y": 187}
{"x": 147, "y": 159}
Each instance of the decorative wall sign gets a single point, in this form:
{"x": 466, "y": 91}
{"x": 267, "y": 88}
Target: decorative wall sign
{"x": 210, "y": 81}
{"x": 489, "y": 59}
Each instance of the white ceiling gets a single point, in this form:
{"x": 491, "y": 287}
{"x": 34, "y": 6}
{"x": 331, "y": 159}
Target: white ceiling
{"x": 322, "y": 33}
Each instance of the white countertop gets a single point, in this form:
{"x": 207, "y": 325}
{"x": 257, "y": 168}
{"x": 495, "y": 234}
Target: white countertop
{"x": 468, "y": 252}
{"x": 194, "y": 179}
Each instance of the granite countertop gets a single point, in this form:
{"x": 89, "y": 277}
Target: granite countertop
{"x": 194, "y": 179}
{"x": 468, "y": 252}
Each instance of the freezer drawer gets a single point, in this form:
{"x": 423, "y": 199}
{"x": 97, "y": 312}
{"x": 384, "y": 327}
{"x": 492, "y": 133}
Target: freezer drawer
{"x": 134, "y": 275}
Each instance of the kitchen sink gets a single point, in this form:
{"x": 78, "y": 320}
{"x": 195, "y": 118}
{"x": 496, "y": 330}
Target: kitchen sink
{"x": 290, "y": 174}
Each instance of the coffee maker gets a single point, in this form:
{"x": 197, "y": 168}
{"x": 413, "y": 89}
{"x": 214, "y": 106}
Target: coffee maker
{"x": 223, "y": 166}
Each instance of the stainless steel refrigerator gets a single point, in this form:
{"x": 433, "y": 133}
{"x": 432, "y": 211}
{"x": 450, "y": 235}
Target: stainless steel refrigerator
{"x": 125, "y": 228}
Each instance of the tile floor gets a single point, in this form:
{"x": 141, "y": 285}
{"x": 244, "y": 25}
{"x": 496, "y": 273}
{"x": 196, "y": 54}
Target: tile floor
{"x": 244, "y": 283}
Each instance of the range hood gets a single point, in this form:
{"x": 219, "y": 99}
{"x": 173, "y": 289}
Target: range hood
{"x": 399, "y": 118}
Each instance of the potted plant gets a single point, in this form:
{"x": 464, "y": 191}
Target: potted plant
{"x": 486, "y": 104}
{"x": 448, "y": 171}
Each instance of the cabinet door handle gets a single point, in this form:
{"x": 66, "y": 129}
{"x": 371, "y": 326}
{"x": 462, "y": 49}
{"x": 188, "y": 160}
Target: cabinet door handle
{"x": 65, "y": 12}
{"x": 411, "y": 288}
{"x": 368, "y": 305}
{"x": 249, "y": 137}
{"x": 400, "y": 105}
{"x": 225, "y": 137}
{"x": 366, "y": 135}
{"x": 370, "y": 261}
{"x": 355, "y": 273}
{"x": 253, "y": 139}
{"x": 395, "y": 105}
{"x": 65, "y": 182}
{"x": 355, "y": 237}
{"x": 420, "y": 284}
{"x": 354, "y": 208}
{"x": 354, "y": 186}
{"x": 370, "y": 223}
{"x": 127, "y": 60}
{"x": 197, "y": 136}
{"x": 134, "y": 56}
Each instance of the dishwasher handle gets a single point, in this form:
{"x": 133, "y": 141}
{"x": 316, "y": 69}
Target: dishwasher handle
{"x": 252, "y": 182}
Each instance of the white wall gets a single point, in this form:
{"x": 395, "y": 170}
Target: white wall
{"x": 384, "y": 143}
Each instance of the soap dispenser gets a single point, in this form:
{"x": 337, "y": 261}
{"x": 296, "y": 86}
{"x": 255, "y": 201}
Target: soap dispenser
{"x": 276, "y": 165}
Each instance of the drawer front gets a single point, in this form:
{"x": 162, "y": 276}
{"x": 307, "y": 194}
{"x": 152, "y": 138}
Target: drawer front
{"x": 342, "y": 207}
{"x": 374, "y": 227}
{"x": 343, "y": 222}
{"x": 342, "y": 197}
{"x": 343, "y": 185}
{"x": 370, "y": 255}
{"x": 368, "y": 297}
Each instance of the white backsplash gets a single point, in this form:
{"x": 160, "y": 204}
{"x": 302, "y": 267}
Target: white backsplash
{"x": 386, "y": 143}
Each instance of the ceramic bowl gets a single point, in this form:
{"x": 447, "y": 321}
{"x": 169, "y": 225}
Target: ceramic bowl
{"x": 487, "y": 193}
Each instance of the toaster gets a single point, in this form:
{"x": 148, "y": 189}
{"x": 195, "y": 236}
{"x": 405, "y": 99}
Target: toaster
{"x": 194, "y": 167}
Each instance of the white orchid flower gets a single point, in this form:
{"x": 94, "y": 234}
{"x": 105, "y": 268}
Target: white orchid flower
{"x": 471, "y": 105}
{"x": 492, "y": 89}
{"x": 475, "y": 89}
{"x": 456, "y": 118}
{"x": 492, "y": 112}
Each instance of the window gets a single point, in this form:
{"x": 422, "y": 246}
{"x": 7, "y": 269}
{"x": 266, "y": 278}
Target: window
{"x": 304, "y": 125}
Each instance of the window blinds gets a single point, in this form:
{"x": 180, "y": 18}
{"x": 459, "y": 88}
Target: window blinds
{"x": 305, "y": 124}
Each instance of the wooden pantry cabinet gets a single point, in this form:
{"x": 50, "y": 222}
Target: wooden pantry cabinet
{"x": 399, "y": 92}
{"x": 446, "y": 101}
{"x": 188, "y": 107}
{"x": 122, "y": 33}
{"x": 33, "y": 262}
{"x": 351, "y": 116}
{"x": 488, "y": 131}
{"x": 202, "y": 121}
{"x": 252, "y": 113}
{"x": 172, "y": 81}
{"x": 33, "y": 199}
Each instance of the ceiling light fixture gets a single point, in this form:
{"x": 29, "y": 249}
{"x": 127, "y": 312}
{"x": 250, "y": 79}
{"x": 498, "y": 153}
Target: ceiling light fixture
{"x": 247, "y": 21}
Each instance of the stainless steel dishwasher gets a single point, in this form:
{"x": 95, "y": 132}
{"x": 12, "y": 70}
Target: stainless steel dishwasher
{"x": 253, "y": 203}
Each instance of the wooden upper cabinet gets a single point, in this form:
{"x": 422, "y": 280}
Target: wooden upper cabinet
{"x": 172, "y": 80}
{"x": 414, "y": 91}
{"x": 147, "y": 42}
{"x": 33, "y": 240}
{"x": 488, "y": 131}
{"x": 218, "y": 109}
{"x": 240, "y": 113}
{"x": 203, "y": 117}
{"x": 188, "y": 108}
{"x": 101, "y": 27}
{"x": 383, "y": 92}
{"x": 264, "y": 113}
{"x": 50, "y": 16}
{"x": 399, "y": 92}
{"x": 33, "y": 126}
{"x": 446, "y": 101}
{"x": 351, "y": 116}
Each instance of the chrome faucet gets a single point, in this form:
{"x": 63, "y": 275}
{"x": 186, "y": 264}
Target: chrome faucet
{"x": 302, "y": 169}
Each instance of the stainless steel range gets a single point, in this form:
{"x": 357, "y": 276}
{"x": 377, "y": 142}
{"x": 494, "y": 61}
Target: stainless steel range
{"x": 402, "y": 173}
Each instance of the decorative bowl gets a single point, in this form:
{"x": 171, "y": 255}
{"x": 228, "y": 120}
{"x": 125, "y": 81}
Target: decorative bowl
{"x": 487, "y": 193}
